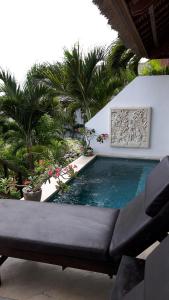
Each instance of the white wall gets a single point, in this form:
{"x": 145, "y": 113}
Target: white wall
{"x": 147, "y": 91}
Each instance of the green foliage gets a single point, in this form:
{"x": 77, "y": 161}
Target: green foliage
{"x": 58, "y": 150}
{"x": 154, "y": 67}
{"x": 88, "y": 135}
{"x": 120, "y": 59}
{"x": 8, "y": 188}
{"x": 74, "y": 150}
{"x": 49, "y": 128}
{"x": 25, "y": 106}
{"x": 38, "y": 176}
{"x": 35, "y": 117}
{"x": 80, "y": 81}
{"x": 73, "y": 145}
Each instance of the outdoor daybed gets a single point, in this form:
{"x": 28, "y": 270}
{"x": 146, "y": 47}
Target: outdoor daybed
{"x": 144, "y": 280}
{"x": 89, "y": 238}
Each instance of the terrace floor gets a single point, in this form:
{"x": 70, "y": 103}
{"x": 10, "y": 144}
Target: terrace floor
{"x": 26, "y": 280}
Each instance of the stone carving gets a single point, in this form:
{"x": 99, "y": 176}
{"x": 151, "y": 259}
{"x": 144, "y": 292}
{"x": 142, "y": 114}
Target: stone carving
{"x": 130, "y": 127}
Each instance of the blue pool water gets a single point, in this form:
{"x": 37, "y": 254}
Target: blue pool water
{"x": 107, "y": 182}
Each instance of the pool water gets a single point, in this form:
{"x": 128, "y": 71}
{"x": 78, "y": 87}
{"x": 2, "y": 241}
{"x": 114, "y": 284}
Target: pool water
{"x": 107, "y": 182}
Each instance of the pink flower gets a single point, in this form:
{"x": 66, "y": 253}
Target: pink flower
{"x": 50, "y": 172}
{"x": 57, "y": 170}
{"x": 104, "y": 135}
{"x": 75, "y": 167}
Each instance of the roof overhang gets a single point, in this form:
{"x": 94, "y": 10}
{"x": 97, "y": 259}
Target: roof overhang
{"x": 143, "y": 25}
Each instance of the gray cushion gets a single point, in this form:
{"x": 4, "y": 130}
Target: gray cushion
{"x": 157, "y": 273}
{"x": 157, "y": 188}
{"x": 130, "y": 273}
{"x": 137, "y": 293}
{"x": 78, "y": 231}
{"x": 130, "y": 224}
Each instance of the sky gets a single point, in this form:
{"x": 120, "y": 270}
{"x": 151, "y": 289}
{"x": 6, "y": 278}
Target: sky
{"x": 36, "y": 31}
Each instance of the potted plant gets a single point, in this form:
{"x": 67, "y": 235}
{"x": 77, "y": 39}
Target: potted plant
{"x": 33, "y": 185}
{"x": 88, "y": 151}
{"x": 88, "y": 135}
{"x": 33, "y": 191}
{"x": 43, "y": 172}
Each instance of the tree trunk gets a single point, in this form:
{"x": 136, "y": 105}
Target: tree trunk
{"x": 88, "y": 113}
{"x": 6, "y": 174}
{"x": 30, "y": 155}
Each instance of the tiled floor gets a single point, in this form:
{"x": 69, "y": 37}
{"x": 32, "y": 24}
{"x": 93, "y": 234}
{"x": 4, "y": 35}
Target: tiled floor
{"x": 24, "y": 280}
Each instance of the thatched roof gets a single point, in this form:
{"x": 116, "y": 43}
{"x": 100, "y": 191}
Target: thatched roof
{"x": 143, "y": 25}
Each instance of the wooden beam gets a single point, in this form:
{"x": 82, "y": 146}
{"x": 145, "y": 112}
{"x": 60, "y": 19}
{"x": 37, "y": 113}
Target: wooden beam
{"x": 129, "y": 29}
{"x": 140, "y": 6}
{"x": 161, "y": 52}
{"x": 153, "y": 25}
{"x": 119, "y": 17}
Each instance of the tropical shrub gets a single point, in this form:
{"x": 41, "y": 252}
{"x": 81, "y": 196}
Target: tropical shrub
{"x": 8, "y": 188}
{"x": 154, "y": 67}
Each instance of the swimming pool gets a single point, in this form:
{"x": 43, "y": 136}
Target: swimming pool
{"x": 107, "y": 182}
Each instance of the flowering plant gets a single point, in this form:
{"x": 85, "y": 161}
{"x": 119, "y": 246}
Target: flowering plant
{"x": 38, "y": 177}
{"x": 44, "y": 170}
{"x": 62, "y": 174}
{"x": 88, "y": 135}
{"x": 102, "y": 137}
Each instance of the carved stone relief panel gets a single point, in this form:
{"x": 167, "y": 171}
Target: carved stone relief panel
{"x": 130, "y": 127}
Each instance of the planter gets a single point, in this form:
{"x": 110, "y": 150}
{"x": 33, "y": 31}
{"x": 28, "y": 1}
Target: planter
{"x": 89, "y": 152}
{"x": 32, "y": 196}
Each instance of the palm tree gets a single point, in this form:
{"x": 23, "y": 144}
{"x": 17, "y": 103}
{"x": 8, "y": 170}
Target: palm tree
{"x": 104, "y": 87}
{"x": 81, "y": 73}
{"x": 25, "y": 106}
{"x": 121, "y": 60}
{"x": 79, "y": 79}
